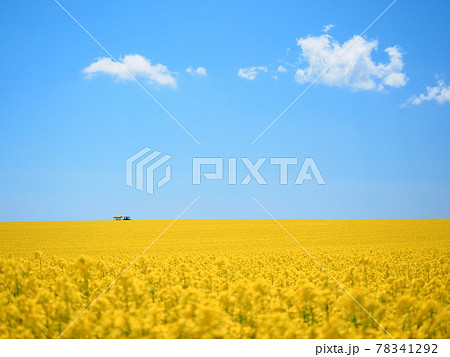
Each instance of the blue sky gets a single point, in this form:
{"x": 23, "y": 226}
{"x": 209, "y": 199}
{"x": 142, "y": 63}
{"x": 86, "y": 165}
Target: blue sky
{"x": 378, "y": 135}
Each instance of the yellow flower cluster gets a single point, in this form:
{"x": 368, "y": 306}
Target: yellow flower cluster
{"x": 225, "y": 279}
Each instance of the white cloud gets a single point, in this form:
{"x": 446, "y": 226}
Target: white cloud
{"x": 327, "y": 28}
{"x": 251, "y": 72}
{"x": 201, "y": 71}
{"x": 136, "y": 65}
{"x": 281, "y": 69}
{"x": 355, "y": 69}
{"x": 439, "y": 94}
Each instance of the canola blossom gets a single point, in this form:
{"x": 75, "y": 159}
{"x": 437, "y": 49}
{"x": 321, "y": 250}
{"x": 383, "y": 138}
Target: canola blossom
{"x": 225, "y": 279}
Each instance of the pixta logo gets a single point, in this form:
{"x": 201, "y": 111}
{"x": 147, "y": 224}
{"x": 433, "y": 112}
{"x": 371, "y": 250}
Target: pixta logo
{"x": 253, "y": 170}
{"x": 142, "y": 170}
{"x": 150, "y": 162}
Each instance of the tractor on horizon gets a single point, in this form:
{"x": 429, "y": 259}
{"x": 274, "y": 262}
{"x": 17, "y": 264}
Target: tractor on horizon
{"x": 122, "y": 218}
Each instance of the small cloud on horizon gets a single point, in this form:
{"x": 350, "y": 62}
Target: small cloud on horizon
{"x": 281, "y": 69}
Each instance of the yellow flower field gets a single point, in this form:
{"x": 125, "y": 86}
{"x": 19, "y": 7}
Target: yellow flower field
{"x": 225, "y": 279}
